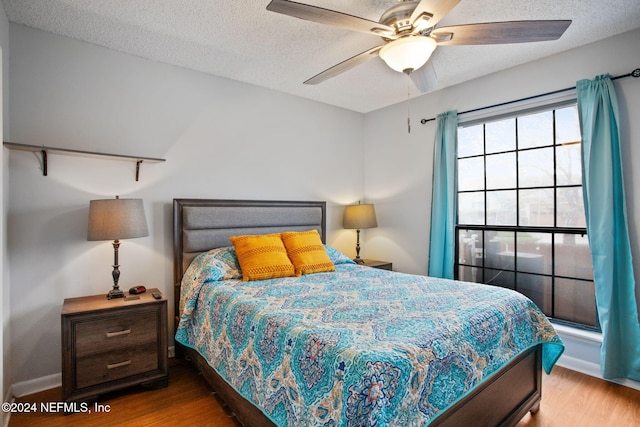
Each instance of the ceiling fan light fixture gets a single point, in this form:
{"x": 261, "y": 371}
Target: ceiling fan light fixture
{"x": 408, "y": 53}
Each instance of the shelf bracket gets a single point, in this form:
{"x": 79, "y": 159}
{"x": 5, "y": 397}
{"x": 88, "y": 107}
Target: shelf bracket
{"x": 138, "y": 170}
{"x": 44, "y": 162}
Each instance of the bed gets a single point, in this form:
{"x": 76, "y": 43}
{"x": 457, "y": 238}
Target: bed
{"x": 318, "y": 349}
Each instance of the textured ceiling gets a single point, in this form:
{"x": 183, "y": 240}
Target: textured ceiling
{"x": 241, "y": 40}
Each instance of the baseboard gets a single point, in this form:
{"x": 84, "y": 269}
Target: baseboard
{"x": 578, "y": 365}
{"x": 36, "y": 385}
{"x": 593, "y": 370}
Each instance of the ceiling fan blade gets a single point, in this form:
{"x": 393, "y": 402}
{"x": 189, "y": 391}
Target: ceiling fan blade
{"x": 437, "y": 8}
{"x": 344, "y": 66}
{"x": 425, "y": 78}
{"x": 500, "y": 32}
{"x": 329, "y": 17}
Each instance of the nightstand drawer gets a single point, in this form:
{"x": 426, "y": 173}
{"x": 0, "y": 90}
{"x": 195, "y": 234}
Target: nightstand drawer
{"x": 113, "y": 365}
{"x": 108, "y": 333}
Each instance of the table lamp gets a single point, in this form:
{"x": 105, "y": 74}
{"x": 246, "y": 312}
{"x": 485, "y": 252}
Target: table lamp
{"x": 359, "y": 217}
{"x": 115, "y": 219}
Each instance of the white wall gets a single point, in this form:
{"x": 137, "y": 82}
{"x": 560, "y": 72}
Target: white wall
{"x": 220, "y": 139}
{"x": 398, "y": 166}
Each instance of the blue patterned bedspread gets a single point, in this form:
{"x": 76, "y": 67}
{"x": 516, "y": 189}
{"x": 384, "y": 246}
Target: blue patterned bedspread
{"x": 358, "y": 347}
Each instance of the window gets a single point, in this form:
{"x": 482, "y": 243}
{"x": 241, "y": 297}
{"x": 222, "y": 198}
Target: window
{"x": 521, "y": 222}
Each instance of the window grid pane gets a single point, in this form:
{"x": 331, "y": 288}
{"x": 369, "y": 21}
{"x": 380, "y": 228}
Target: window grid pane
{"x": 535, "y": 168}
{"x": 501, "y": 207}
{"x": 500, "y": 136}
{"x": 471, "y": 142}
{"x": 471, "y": 208}
{"x": 471, "y": 174}
{"x": 535, "y": 130}
{"x": 501, "y": 171}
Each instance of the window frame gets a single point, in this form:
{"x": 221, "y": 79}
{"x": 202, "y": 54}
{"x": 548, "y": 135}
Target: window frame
{"x": 553, "y": 231}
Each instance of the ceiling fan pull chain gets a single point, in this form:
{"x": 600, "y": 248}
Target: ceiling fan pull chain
{"x": 408, "y": 105}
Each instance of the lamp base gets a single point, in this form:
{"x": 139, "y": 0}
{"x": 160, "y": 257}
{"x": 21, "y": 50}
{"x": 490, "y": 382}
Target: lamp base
{"x": 358, "y": 260}
{"x": 115, "y": 293}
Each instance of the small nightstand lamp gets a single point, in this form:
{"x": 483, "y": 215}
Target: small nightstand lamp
{"x": 115, "y": 219}
{"x": 358, "y": 217}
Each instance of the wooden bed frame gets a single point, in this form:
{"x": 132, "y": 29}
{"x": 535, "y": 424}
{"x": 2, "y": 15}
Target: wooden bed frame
{"x": 203, "y": 224}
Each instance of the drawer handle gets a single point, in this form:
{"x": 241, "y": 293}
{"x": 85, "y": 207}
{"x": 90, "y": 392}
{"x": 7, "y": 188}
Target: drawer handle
{"x": 118, "y": 333}
{"x": 119, "y": 365}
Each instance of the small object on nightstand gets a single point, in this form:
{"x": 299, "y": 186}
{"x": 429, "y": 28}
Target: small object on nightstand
{"x": 157, "y": 295}
{"x": 137, "y": 290}
{"x": 383, "y": 265}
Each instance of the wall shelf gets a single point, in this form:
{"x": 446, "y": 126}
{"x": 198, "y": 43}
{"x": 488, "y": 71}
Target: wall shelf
{"x": 43, "y": 150}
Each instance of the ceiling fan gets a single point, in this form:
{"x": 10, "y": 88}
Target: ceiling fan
{"x": 410, "y": 35}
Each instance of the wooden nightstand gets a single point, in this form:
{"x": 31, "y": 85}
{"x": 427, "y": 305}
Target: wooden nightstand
{"x": 383, "y": 265}
{"x": 111, "y": 344}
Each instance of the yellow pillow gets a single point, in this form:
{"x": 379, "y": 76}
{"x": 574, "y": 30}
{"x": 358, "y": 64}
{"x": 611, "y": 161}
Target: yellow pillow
{"x": 262, "y": 257}
{"x": 307, "y": 253}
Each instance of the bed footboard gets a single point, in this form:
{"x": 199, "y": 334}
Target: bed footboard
{"x": 504, "y": 398}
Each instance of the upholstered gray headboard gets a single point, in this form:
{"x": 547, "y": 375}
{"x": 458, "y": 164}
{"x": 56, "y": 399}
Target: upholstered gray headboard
{"x": 203, "y": 224}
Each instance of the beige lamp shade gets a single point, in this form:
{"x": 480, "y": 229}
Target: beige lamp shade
{"x": 115, "y": 219}
{"x": 359, "y": 217}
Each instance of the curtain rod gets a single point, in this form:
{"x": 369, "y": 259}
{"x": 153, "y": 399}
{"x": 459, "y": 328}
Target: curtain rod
{"x": 634, "y": 73}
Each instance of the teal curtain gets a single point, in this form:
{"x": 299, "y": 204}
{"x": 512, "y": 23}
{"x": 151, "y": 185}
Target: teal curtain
{"x": 443, "y": 202}
{"x": 607, "y": 228}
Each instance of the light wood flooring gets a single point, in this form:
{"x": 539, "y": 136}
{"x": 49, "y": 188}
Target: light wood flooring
{"x": 569, "y": 399}
{"x": 187, "y": 401}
